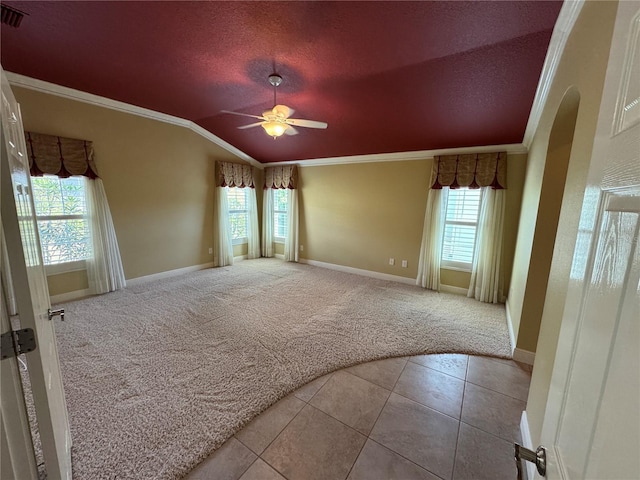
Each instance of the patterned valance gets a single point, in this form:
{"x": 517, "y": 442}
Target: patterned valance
{"x": 282, "y": 176}
{"x": 472, "y": 170}
{"x": 234, "y": 175}
{"x": 60, "y": 156}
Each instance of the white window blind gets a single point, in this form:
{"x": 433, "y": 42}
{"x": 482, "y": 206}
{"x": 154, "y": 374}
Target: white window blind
{"x": 238, "y": 214}
{"x": 461, "y": 223}
{"x": 280, "y": 202}
{"x": 61, "y": 213}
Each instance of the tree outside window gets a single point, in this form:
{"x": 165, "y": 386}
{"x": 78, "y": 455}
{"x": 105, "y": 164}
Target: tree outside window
{"x": 61, "y": 213}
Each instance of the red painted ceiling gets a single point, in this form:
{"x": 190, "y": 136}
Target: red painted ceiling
{"x": 386, "y": 76}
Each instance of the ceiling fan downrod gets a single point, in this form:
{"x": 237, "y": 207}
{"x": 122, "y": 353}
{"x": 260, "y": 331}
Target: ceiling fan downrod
{"x": 275, "y": 80}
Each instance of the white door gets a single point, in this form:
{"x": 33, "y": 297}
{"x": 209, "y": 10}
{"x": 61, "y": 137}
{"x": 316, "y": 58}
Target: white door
{"x": 32, "y": 294}
{"x": 17, "y": 459}
{"x": 592, "y": 420}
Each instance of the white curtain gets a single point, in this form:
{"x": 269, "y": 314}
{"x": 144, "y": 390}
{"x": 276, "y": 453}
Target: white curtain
{"x": 253, "y": 232}
{"x": 7, "y": 282}
{"x": 291, "y": 242}
{"x": 432, "y": 233}
{"x": 267, "y": 223}
{"x": 222, "y": 246}
{"x": 104, "y": 266}
{"x": 487, "y": 280}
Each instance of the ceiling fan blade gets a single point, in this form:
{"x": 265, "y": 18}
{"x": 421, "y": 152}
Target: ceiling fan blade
{"x": 241, "y": 114}
{"x": 251, "y": 125}
{"x": 290, "y": 131}
{"x": 283, "y": 111}
{"x": 298, "y": 122}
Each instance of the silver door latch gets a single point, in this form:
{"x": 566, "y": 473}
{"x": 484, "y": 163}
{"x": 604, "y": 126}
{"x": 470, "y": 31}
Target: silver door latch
{"x": 53, "y": 313}
{"x": 539, "y": 457}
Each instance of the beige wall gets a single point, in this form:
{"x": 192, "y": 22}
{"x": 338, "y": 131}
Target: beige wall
{"x": 360, "y": 215}
{"x": 67, "y": 282}
{"x": 158, "y": 178}
{"x": 582, "y": 71}
{"x": 159, "y": 182}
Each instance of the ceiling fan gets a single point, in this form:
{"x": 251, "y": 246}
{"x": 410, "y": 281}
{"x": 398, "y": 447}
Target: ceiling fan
{"x": 277, "y": 121}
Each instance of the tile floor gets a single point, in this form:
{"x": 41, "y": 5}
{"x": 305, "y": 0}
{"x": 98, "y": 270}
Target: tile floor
{"x": 426, "y": 417}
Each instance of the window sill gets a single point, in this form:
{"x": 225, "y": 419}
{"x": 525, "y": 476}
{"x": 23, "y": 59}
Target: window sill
{"x": 279, "y": 240}
{"x": 240, "y": 241}
{"x": 58, "y": 268}
{"x": 455, "y": 268}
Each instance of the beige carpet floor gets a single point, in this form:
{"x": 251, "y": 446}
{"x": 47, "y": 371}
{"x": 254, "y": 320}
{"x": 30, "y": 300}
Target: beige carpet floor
{"x": 159, "y": 375}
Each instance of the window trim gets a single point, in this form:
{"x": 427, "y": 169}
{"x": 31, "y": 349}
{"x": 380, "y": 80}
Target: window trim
{"x": 62, "y": 267}
{"x": 65, "y": 267}
{"x": 456, "y": 265}
{"x": 277, "y": 239}
{"x": 241, "y": 240}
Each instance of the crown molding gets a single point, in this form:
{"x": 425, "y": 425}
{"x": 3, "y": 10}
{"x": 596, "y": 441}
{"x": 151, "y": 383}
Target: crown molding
{"x": 564, "y": 25}
{"x": 512, "y": 148}
{"x": 72, "y": 94}
{"x": 80, "y": 96}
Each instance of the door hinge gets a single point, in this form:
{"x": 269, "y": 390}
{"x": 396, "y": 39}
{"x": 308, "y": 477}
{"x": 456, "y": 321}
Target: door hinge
{"x": 17, "y": 342}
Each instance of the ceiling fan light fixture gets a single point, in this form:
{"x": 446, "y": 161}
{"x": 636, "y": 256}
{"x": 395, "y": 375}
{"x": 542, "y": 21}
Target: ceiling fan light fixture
{"x": 274, "y": 129}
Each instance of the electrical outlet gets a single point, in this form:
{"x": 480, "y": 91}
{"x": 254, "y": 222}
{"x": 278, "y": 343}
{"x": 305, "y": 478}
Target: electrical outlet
{"x": 392, "y": 261}
{"x": 210, "y": 251}
{"x": 404, "y": 264}
{"x": 302, "y": 248}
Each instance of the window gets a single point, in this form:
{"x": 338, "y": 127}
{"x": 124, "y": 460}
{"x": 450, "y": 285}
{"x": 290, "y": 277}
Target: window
{"x": 238, "y": 214}
{"x": 280, "y": 202}
{"x": 63, "y": 224}
{"x": 461, "y": 222}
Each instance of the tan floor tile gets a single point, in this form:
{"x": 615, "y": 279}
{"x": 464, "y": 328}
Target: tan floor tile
{"x": 258, "y": 434}
{"x": 351, "y": 400}
{"x": 381, "y": 372}
{"x": 431, "y": 388}
{"x": 306, "y": 392}
{"x": 418, "y": 433}
{"x": 482, "y": 456}
{"x": 500, "y": 377}
{"x": 450, "y": 363}
{"x": 261, "y": 471}
{"x": 314, "y": 446}
{"x": 229, "y": 462}
{"x": 379, "y": 463}
{"x": 492, "y": 412}
{"x": 513, "y": 363}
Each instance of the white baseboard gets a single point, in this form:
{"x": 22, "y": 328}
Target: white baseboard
{"x": 524, "y": 356}
{"x": 280, "y": 256}
{"x": 359, "y": 271}
{"x": 519, "y": 355}
{"x": 168, "y": 273}
{"x": 512, "y": 337}
{"x": 69, "y": 296}
{"x": 527, "y": 443}
{"x": 239, "y": 258}
{"x": 454, "y": 290}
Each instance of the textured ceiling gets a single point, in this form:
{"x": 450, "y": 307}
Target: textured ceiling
{"x": 386, "y": 76}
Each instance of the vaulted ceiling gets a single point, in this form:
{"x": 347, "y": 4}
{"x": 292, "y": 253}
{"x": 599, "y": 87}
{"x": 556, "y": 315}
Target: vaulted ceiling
{"x": 386, "y": 76}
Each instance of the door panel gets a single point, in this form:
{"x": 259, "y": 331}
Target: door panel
{"x": 32, "y": 295}
{"x": 17, "y": 460}
{"x": 592, "y": 420}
